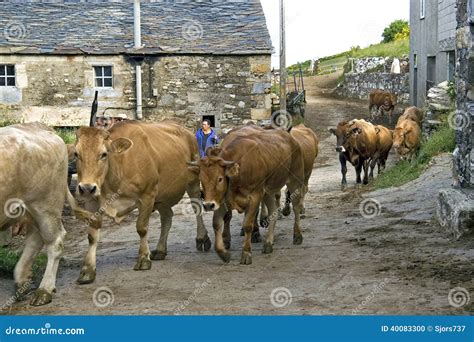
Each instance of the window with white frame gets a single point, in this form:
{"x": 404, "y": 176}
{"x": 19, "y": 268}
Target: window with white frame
{"x": 7, "y": 75}
{"x": 103, "y": 76}
{"x": 422, "y": 9}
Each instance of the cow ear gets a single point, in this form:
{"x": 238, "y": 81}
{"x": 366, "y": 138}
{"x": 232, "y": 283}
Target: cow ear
{"x": 120, "y": 145}
{"x": 377, "y": 130}
{"x": 332, "y": 131}
{"x": 232, "y": 170}
{"x": 408, "y": 130}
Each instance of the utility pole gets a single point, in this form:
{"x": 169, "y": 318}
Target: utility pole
{"x": 283, "y": 75}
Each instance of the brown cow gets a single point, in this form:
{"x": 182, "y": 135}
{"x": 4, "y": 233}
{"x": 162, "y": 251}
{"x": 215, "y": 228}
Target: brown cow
{"x": 406, "y": 139}
{"x": 411, "y": 113}
{"x": 248, "y": 169}
{"x": 384, "y": 145}
{"x": 308, "y": 142}
{"x": 33, "y": 189}
{"x": 356, "y": 143}
{"x": 383, "y": 101}
{"x": 136, "y": 165}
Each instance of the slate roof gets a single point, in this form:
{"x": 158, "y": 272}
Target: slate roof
{"x": 106, "y": 27}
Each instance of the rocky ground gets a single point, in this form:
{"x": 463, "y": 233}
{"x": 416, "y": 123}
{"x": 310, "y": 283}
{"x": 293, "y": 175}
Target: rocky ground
{"x": 364, "y": 252}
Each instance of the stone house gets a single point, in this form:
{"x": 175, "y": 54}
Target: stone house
{"x": 432, "y": 46}
{"x": 190, "y": 60}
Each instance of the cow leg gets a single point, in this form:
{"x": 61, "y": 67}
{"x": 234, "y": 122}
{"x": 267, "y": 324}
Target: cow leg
{"x": 358, "y": 169}
{"x": 145, "y": 208}
{"x": 88, "y": 270}
{"x": 54, "y": 248}
{"x": 217, "y": 223}
{"x": 263, "y": 215}
{"x": 166, "y": 219}
{"x": 278, "y": 201}
{"x": 296, "y": 190}
{"x": 373, "y": 162}
{"x": 248, "y": 224}
{"x": 269, "y": 200}
{"x": 22, "y": 272}
{"x": 287, "y": 209}
{"x": 226, "y": 234}
{"x": 203, "y": 243}
{"x": 366, "y": 171}
{"x": 343, "y": 161}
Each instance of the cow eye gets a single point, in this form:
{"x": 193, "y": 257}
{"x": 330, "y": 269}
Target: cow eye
{"x": 77, "y": 156}
{"x": 103, "y": 156}
{"x": 220, "y": 179}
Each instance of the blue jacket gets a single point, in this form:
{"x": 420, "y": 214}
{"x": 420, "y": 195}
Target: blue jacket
{"x": 212, "y": 140}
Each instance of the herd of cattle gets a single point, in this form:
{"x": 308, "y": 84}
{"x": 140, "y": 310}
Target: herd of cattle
{"x": 150, "y": 166}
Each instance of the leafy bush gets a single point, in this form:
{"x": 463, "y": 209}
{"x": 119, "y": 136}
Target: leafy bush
{"x": 396, "y": 27}
{"x": 68, "y": 136}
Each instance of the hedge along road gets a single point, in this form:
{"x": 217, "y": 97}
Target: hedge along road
{"x": 395, "y": 260}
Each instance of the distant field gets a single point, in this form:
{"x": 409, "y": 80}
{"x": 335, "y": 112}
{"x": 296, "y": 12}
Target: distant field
{"x": 332, "y": 63}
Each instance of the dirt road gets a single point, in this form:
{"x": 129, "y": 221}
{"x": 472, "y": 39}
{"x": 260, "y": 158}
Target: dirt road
{"x": 394, "y": 260}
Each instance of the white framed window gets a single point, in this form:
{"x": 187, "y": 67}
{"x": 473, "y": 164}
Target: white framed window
{"x": 103, "y": 76}
{"x": 7, "y": 75}
{"x": 422, "y": 9}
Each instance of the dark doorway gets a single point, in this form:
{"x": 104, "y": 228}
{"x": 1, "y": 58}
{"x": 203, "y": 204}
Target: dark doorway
{"x": 211, "y": 118}
{"x": 430, "y": 73}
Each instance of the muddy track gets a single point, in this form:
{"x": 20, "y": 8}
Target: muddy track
{"x": 395, "y": 262}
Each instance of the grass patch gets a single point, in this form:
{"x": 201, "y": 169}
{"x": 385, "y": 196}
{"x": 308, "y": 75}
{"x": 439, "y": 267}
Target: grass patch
{"x": 393, "y": 49}
{"x": 9, "y": 258}
{"x": 441, "y": 141}
{"x": 68, "y": 135}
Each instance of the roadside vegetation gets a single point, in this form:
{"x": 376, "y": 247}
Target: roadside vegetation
{"x": 441, "y": 141}
{"x": 9, "y": 258}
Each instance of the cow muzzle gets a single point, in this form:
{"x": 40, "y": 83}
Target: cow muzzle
{"x": 88, "y": 189}
{"x": 340, "y": 149}
{"x": 210, "y": 206}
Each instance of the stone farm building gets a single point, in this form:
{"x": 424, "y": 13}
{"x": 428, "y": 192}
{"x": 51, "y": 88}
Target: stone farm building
{"x": 196, "y": 58}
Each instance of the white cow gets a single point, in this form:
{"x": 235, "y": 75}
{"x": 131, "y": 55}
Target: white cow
{"x": 33, "y": 183}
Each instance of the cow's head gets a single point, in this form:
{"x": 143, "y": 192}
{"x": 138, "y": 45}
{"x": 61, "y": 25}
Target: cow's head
{"x": 215, "y": 174}
{"x": 399, "y": 135}
{"x": 92, "y": 151}
{"x": 343, "y": 132}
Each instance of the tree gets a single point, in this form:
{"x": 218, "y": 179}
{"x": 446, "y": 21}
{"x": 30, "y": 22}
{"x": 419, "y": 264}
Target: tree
{"x": 399, "y": 27}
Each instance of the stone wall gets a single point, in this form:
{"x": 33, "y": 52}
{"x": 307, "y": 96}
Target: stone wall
{"x": 59, "y": 90}
{"x": 464, "y": 118}
{"x": 360, "y": 85}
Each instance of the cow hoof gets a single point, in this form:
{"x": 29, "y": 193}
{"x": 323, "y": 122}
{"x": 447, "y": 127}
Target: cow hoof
{"x": 256, "y": 237}
{"x": 246, "y": 258}
{"x": 280, "y": 216}
{"x": 87, "y": 275}
{"x": 242, "y": 232}
{"x": 227, "y": 244}
{"x": 264, "y": 222}
{"x": 297, "y": 239}
{"x": 267, "y": 248}
{"x": 41, "y": 297}
{"x": 143, "y": 264}
{"x": 157, "y": 255}
{"x": 203, "y": 245}
{"x": 286, "y": 211}
{"x": 225, "y": 256}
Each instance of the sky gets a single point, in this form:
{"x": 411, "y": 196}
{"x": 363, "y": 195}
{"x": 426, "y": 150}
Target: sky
{"x": 319, "y": 28}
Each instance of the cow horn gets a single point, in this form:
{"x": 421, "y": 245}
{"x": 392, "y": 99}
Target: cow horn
{"x": 192, "y": 163}
{"x": 228, "y": 163}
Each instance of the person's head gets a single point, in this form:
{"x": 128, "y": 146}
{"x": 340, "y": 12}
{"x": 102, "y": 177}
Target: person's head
{"x": 206, "y": 125}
